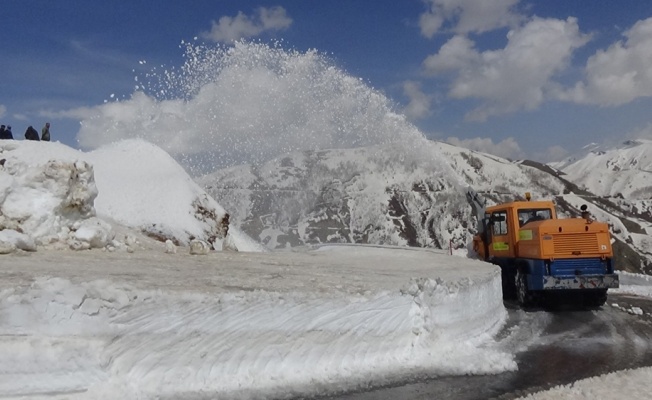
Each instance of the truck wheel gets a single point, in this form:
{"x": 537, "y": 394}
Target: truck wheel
{"x": 522, "y": 293}
{"x": 595, "y": 298}
{"x": 507, "y": 278}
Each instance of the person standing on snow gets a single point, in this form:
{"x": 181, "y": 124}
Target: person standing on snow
{"x": 45, "y": 132}
{"x": 31, "y": 133}
{"x": 7, "y": 133}
{"x": 2, "y": 132}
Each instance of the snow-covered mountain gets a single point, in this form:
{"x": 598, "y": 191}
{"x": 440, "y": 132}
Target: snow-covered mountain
{"x": 406, "y": 196}
{"x": 622, "y": 174}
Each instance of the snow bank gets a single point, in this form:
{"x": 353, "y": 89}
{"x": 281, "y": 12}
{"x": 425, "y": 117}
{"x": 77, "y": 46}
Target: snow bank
{"x": 46, "y": 201}
{"x": 628, "y": 384}
{"x": 49, "y": 192}
{"x": 636, "y": 284}
{"x": 244, "y": 325}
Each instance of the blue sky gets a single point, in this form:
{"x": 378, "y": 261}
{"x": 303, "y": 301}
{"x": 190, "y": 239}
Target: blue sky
{"x": 533, "y": 79}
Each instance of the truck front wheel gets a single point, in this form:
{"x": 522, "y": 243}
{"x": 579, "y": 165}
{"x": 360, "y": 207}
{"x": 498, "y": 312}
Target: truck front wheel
{"x": 523, "y": 294}
{"x": 509, "y": 288}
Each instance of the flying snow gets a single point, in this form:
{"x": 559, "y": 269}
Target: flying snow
{"x": 247, "y": 104}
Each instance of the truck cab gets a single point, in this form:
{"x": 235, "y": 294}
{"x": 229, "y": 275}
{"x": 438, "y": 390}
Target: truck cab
{"x": 505, "y": 222}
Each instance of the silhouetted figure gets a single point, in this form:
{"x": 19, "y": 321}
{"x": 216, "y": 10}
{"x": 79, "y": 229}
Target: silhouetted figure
{"x": 2, "y": 132}
{"x": 585, "y": 213}
{"x": 6, "y": 134}
{"x": 31, "y": 133}
{"x": 45, "y": 132}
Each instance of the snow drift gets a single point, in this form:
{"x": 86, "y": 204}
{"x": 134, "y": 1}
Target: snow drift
{"x": 53, "y": 195}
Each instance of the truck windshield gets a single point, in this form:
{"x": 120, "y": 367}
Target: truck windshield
{"x": 533, "y": 214}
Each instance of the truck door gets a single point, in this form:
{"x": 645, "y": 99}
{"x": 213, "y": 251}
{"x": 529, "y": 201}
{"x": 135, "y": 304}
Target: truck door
{"x": 500, "y": 245}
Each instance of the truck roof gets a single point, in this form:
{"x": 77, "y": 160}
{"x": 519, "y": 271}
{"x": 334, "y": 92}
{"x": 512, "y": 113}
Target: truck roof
{"x": 523, "y": 204}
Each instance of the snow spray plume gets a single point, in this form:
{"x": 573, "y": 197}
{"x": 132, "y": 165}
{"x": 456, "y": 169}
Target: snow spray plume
{"x": 247, "y": 104}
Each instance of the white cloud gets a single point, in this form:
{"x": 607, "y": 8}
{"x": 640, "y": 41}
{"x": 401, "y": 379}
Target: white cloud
{"x": 644, "y": 132}
{"x": 619, "y": 74}
{"x": 75, "y": 113}
{"x": 516, "y": 77}
{"x": 3, "y": 110}
{"x": 457, "y": 53}
{"x": 230, "y": 29}
{"x": 553, "y": 153}
{"x": 508, "y": 148}
{"x": 430, "y": 22}
{"x": 419, "y": 105}
{"x": 467, "y": 16}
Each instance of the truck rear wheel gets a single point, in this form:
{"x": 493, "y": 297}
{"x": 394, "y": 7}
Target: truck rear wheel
{"x": 595, "y": 298}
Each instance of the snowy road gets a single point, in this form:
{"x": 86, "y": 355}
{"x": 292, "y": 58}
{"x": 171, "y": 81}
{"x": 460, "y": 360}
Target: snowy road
{"x": 555, "y": 348}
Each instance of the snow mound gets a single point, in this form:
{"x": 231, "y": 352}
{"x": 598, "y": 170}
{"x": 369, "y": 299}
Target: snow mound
{"x": 141, "y": 186}
{"x": 59, "y": 197}
{"x": 46, "y": 201}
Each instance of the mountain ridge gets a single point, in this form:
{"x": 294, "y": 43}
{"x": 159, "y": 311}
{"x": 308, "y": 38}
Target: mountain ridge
{"x": 401, "y": 196}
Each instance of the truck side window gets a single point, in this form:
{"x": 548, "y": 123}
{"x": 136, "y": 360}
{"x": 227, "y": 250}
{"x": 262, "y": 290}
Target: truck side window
{"x": 499, "y": 219}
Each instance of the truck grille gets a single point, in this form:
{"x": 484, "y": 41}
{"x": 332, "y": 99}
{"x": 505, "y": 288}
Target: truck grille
{"x": 578, "y": 266}
{"x": 574, "y": 244}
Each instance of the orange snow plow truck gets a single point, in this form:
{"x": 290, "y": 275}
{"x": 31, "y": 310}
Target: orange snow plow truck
{"x": 541, "y": 255}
